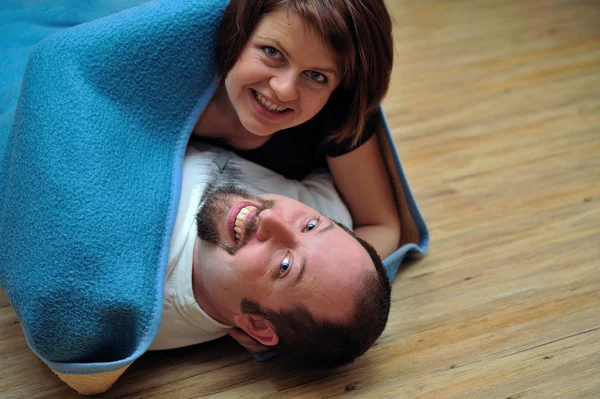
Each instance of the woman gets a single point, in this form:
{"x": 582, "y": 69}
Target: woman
{"x": 301, "y": 83}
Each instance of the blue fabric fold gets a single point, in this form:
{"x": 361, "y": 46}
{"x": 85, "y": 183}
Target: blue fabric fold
{"x": 419, "y": 247}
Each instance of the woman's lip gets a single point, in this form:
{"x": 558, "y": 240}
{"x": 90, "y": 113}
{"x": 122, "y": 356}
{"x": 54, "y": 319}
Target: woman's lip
{"x": 265, "y": 113}
{"x": 271, "y": 100}
{"x": 235, "y": 210}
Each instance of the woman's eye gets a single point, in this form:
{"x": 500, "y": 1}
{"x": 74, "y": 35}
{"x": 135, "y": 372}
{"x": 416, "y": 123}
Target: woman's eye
{"x": 311, "y": 225}
{"x": 285, "y": 265}
{"x": 271, "y": 52}
{"x": 318, "y": 77}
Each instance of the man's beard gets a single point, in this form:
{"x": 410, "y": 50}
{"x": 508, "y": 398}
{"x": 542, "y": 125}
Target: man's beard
{"x": 217, "y": 205}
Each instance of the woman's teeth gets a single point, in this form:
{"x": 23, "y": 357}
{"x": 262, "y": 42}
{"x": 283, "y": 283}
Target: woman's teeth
{"x": 239, "y": 221}
{"x": 266, "y": 103}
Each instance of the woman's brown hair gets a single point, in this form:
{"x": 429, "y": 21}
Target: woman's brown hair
{"x": 358, "y": 31}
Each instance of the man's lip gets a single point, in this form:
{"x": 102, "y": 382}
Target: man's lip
{"x": 235, "y": 210}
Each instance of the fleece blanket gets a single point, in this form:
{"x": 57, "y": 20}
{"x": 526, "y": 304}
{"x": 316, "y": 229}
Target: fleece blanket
{"x": 97, "y": 103}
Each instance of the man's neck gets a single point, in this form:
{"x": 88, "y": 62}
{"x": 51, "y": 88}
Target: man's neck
{"x": 200, "y": 293}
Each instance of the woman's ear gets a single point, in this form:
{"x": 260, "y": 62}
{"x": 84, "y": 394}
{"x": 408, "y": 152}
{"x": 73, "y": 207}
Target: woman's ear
{"x": 258, "y": 328}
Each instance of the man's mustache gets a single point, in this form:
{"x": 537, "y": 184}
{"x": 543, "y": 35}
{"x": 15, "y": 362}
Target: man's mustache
{"x": 250, "y": 228}
{"x": 213, "y": 208}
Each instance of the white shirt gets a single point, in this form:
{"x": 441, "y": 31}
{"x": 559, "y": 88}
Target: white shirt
{"x": 206, "y": 167}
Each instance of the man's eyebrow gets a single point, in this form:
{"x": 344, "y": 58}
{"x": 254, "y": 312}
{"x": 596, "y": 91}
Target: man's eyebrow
{"x": 324, "y": 229}
{"x": 284, "y": 51}
{"x": 301, "y": 272}
{"x": 303, "y": 264}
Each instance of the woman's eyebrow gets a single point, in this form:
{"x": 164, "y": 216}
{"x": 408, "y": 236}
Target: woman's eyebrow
{"x": 277, "y": 43}
{"x": 287, "y": 55}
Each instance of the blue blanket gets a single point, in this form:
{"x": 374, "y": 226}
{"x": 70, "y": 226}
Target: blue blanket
{"x": 90, "y": 175}
{"x": 94, "y": 121}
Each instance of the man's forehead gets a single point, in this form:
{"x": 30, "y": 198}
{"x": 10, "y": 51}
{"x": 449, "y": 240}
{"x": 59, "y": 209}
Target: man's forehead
{"x": 335, "y": 275}
{"x": 336, "y": 251}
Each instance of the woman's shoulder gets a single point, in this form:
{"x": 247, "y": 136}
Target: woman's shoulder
{"x": 333, "y": 148}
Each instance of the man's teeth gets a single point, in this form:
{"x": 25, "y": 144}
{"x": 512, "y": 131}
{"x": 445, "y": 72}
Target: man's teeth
{"x": 267, "y": 104}
{"x": 239, "y": 221}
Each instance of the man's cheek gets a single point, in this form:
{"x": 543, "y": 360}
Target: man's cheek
{"x": 253, "y": 264}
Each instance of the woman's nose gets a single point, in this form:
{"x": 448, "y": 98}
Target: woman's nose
{"x": 272, "y": 226}
{"x": 285, "y": 85}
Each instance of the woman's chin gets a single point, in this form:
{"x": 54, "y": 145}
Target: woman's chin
{"x": 257, "y": 129}
{"x": 261, "y": 133}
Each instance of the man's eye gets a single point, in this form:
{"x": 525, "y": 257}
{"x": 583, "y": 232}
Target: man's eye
{"x": 285, "y": 265}
{"x": 311, "y": 225}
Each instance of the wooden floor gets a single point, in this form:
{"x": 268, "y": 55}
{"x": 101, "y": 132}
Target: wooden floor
{"x": 495, "y": 108}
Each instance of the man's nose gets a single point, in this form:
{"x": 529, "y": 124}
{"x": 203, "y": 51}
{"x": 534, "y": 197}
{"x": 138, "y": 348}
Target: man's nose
{"x": 285, "y": 85}
{"x": 273, "y": 227}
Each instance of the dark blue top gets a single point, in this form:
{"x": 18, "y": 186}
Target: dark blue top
{"x": 297, "y": 151}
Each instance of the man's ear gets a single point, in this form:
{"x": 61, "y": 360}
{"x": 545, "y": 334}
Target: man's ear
{"x": 258, "y": 328}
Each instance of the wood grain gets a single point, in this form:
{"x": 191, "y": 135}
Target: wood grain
{"x": 495, "y": 109}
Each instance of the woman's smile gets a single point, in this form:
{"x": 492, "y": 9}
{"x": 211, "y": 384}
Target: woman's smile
{"x": 266, "y": 109}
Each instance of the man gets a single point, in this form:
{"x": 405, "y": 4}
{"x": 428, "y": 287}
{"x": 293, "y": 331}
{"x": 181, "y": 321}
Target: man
{"x": 268, "y": 269}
